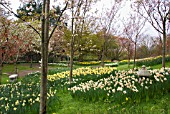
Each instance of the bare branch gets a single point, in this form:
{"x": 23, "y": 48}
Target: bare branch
{"x": 57, "y": 21}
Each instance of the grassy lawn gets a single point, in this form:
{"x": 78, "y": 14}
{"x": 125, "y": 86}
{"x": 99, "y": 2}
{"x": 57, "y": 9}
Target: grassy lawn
{"x": 160, "y": 65}
{"x": 71, "y": 106}
{"x": 5, "y": 79}
{"x": 125, "y": 67}
{"x": 10, "y": 69}
{"x": 22, "y": 66}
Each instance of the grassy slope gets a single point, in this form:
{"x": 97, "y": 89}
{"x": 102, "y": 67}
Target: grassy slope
{"x": 68, "y": 105}
{"x": 154, "y": 106}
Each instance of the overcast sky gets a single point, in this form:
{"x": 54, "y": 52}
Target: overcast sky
{"x": 103, "y": 3}
{"x": 15, "y": 3}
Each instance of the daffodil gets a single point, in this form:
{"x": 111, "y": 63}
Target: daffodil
{"x": 14, "y": 108}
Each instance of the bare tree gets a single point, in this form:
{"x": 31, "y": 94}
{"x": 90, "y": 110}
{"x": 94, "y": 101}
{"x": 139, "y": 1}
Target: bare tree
{"x": 106, "y": 23}
{"x": 133, "y": 30}
{"x": 156, "y": 12}
{"x": 122, "y": 48}
{"x": 79, "y": 9}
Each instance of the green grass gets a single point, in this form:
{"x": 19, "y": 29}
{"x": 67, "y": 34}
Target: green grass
{"x": 10, "y": 69}
{"x": 71, "y": 106}
{"x": 22, "y": 66}
{"x": 5, "y": 79}
{"x": 167, "y": 64}
{"x": 125, "y": 67}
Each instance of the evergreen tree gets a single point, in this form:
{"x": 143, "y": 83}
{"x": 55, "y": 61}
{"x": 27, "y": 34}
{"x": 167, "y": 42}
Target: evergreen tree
{"x": 32, "y": 11}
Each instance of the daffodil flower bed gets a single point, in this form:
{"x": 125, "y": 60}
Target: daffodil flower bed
{"x": 82, "y": 72}
{"x": 23, "y": 96}
{"x": 88, "y": 63}
{"x": 62, "y": 64}
{"x": 89, "y": 84}
{"x": 111, "y": 64}
{"x": 150, "y": 61}
{"x": 123, "y": 86}
{"x": 61, "y": 80}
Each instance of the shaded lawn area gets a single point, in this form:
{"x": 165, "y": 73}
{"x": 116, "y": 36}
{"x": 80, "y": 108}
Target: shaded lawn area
{"x": 23, "y": 69}
{"x": 10, "y": 68}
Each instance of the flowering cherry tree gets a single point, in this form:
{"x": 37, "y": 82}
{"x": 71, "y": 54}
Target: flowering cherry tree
{"x": 16, "y": 41}
{"x": 4, "y": 24}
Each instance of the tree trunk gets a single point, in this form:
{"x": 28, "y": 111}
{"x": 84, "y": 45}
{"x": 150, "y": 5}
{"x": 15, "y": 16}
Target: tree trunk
{"x": 16, "y": 68}
{"x": 103, "y": 55}
{"x": 128, "y": 61}
{"x": 104, "y": 49}
{"x": 15, "y": 64}
{"x": 71, "y": 59}
{"x": 0, "y": 71}
{"x": 128, "y": 55}
{"x": 164, "y": 44}
{"x": 72, "y": 45}
{"x": 134, "y": 59}
{"x": 31, "y": 60}
{"x": 44, "y": 55}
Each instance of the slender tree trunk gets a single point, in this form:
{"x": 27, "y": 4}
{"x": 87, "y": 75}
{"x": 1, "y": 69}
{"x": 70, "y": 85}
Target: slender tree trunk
{"x": 104, "y": 49}
{"x": 0, "y": 71}
{"x": 128, "y": 55}
{"x": 128, "y": 61}
{"x": 164, "y": 44}
{"x": 81, "y": 32}
{"x": 1, "y": 65}
{"x": 16, "y": 68}
{"x": 134, "y": 59}
{"x": 72, "y": 45}
{"x": 71, "y": 59}
{"x": 15, "y": 64}
{"x": 44, "y": 46}
{"x": 31, "y": 61}
{"x": 42, "y": 95}
{"x": 103, "y": 55}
